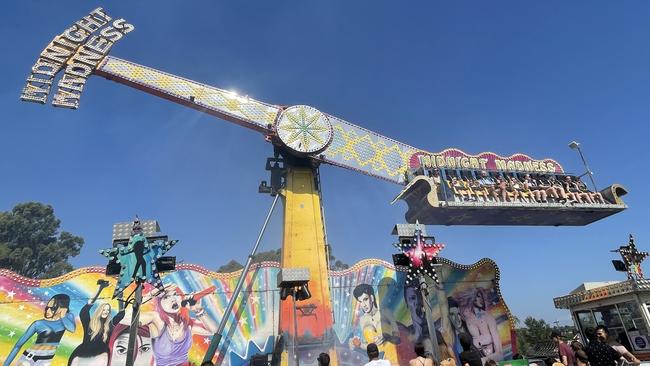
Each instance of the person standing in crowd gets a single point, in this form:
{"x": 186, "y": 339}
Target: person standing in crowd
{"x": 581, "y": 358}
{"x": 565, "y": 352}
{"x": 626, "y": 356}
{"x": 373, "y": 356}
{"x": 468, "y": 357}
{"x": 577, "y": 346}
{"x": 323, "y": 359}
{"x": 421, "y": 359}
{"x": 599, "y": 353}
{"x": 490, "y": 363}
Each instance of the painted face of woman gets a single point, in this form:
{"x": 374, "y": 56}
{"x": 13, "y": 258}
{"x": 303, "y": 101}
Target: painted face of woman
{"x": 479, "y": 301}
{"x": 171, "y": 302}
{"x": 50, "y": 309}
{"x": 106, "y": 311}
{"x": 53, "y": 311}
{"x": 119, "y": 351}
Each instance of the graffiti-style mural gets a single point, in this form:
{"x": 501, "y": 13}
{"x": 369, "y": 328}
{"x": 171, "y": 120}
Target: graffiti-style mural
{"x": 72, "y": 320}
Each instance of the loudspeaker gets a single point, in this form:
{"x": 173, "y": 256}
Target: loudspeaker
{"x": 260, "y": 360}
{"x": 113, "y": 268}
{"x": 166, "y": 264}
{"x": 619, "y": 266}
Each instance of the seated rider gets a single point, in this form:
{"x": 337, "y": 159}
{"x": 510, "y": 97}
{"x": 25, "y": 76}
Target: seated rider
{"x": 531, "y": 186}
{"x": 514, "y": 187}
{"x": 555, "y": 183}
{"x": 572, "y": 189}
{"x": 478, "y": 189}
{"x": 459, "y": 187}
{"x": 489, "y": 184}
{"x": 596, "y": 197}
{"x": 501, "y": 189}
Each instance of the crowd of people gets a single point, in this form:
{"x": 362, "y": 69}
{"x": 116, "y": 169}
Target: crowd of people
{"x": 514, "y": 187}
{"x": 601, "y": 350}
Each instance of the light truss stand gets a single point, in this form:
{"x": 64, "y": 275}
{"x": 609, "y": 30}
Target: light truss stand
{"x": 216, "y": 338}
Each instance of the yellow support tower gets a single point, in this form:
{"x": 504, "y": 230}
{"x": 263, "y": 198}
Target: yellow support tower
{"x": 304, "y": 247}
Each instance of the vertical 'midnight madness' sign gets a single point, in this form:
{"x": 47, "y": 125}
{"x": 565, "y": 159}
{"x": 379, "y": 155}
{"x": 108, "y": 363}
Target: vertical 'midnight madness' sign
{"x": 78, "y": 51}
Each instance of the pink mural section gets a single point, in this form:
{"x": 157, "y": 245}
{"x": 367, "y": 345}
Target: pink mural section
{"x": 72, "y": 320}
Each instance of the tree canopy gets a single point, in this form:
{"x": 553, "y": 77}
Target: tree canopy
{"x": 275, "y": 255}
{"x": 31, "y": 243}
{"x": 537, "y": 331}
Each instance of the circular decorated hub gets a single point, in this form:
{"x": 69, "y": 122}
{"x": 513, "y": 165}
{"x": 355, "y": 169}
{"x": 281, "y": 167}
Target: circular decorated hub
{"x": 304, "y": 130}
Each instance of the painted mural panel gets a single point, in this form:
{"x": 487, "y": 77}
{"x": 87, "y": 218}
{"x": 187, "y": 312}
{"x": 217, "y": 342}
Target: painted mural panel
{"x": 371, "y": 304}
{"x": 63, "y": 321}
{"x": 71, "y": 320}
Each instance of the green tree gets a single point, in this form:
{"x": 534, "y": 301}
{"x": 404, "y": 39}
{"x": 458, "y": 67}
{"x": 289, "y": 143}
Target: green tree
{"x": 31, "y": 243}
{"x": 537, "y": 330}
{"x": 336, "y": 264}
{"x": 534, "y": 332}
{"x": 522, "y": 345}
{"x": 231, "y": 266}
{"x": 275, "y": 255}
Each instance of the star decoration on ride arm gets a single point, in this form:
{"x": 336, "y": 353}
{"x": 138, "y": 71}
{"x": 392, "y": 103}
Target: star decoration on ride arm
{"x": 422, "y": 256}
{"x": 137, "y": 261}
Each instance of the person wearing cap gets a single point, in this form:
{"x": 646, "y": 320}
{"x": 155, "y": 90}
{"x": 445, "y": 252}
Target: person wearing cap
{"x": 565, "y": 352}
{"x": 373, "y": 356}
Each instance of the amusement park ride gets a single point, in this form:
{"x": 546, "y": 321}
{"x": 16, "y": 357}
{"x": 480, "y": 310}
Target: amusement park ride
{"x": 303, "y": 138}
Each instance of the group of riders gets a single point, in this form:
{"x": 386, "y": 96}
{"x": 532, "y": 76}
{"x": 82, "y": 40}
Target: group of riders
{"x": 515, "y": 187}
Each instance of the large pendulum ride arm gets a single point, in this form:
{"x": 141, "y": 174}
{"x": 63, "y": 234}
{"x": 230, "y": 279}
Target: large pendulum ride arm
{"x": 303, "y": 129}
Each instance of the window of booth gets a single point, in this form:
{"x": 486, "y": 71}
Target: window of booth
{"x": 586, "y": 319}
{"x": 609, "y": 316}
{"x": 632, "y": 317}
{"x": 624, "y": 321}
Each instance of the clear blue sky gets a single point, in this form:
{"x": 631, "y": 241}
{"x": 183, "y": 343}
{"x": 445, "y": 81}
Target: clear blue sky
{"x": 507, "y": 76}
